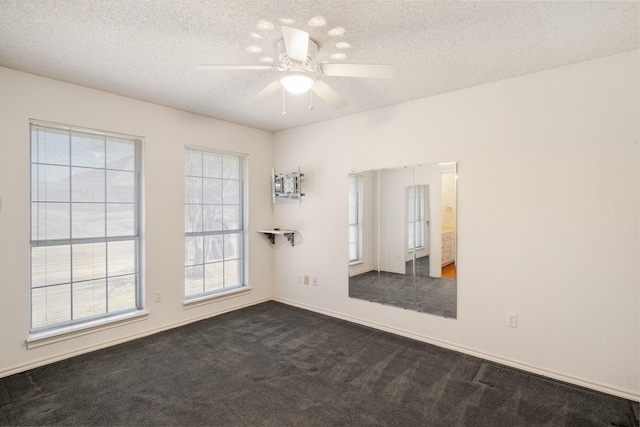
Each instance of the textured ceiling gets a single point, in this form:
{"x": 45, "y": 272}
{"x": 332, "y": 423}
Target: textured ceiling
{"x": 148, "y": 49}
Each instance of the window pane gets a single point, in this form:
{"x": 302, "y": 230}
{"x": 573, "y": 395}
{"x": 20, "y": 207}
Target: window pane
{"x": 353, "y": 183}
{"x": 192, "y": 190}
{"x": 193, "y": 163}
{"x": 410, "y": 213}
{"x": 50, "y": 305}
{"x": 89, "y": 298}
{"x": 89, "y": 261}
{"x": 50, "y": 265}
{"x": 121, "y": 258}
{"x": 231, "y": 167}
{"x": 353, "y": 215}
{"x": 212, "y": 166}
{"x": 121, "y": 186}
{"x": 231, "y": 192}
{"x": 231, "y": 220}
{"x": 121, "y": 219}
{"x": 232, "y": 247}
{"x": 212, "y": 220}
{"x": 214, "y": 249}
{"x": 87, "y": 150}
{"x": 419, "y": 234}
{"x": 88, "y": 220}
{"x": 353, "y": 199}
{"x": 212, "y": 192}
{"x": 232, "y": 273}
{"x": 50, "y": 146}
{"x": 121, "y": 293}
{"x": 121, "y": 154}
{"x": 88, "y": 185}
{"x": 193, "y": 280}
{"x": 50, "y": 221}
{"x": 50, "y": 183}
{"x": 353, "y": 251}
{"x": 193, "y": 251}
{"x": 214, "y": 276}
{"x": 353, "y": 234}
{"x": 192, "y": 218}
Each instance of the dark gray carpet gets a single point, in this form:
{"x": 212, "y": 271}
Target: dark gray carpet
{"x": 276, "y": 365}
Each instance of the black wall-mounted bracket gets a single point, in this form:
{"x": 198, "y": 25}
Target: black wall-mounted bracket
{"x": 271, "y": 235}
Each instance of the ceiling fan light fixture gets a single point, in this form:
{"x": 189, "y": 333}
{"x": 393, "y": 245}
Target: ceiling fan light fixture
{"x": 296, "y": 83}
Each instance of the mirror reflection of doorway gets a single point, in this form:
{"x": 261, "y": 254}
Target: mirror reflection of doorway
{"x": 448, "y": 223}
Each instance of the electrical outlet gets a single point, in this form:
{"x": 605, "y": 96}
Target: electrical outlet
{"x": 512, "y": 320}
{"x": 158, "y": 296}
{"x": 299, "y": 279}
{"x": 306, "y": 279}
{"x": 314, "y": 281}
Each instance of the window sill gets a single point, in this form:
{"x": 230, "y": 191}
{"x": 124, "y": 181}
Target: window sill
{"x": 40, "y": 339}
{"x": 231, "y": 293}
{"x": 352, "y": 263}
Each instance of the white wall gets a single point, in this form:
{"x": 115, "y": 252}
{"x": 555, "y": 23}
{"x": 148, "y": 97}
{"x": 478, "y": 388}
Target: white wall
{"x": 548, "y": 217}
{"x": 166, "y": 131}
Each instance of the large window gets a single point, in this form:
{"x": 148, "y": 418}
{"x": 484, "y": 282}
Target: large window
{"x": 85, "y": 225}
{"x": 355, "y": 218}
{"x": 214, "y": 222}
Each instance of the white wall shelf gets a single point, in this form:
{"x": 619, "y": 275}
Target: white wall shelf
{"x": 271, "y": 235}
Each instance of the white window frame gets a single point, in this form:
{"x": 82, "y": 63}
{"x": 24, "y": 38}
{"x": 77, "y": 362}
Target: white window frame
{"x": 74, "y": 241}
{"x": 355, "y": 218}
{"x": 223, "y": 274}
{"x": 415, "y": 228}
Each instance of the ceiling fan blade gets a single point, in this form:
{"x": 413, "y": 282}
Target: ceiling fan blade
{"x": 296, "y": 43}
{"x": 358, "y": 70}
{"x": 235, "y": 67}
{"x": 267, "y": 92}
{"x": 327, "y": 94}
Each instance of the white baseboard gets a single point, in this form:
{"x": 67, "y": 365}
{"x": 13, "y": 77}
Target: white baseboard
{"x": 486, "y": 356}
{"x": 41, "y": 362}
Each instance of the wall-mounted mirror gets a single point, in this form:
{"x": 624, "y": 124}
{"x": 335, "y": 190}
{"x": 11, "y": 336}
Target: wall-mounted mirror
{"x": 402, "y": 237}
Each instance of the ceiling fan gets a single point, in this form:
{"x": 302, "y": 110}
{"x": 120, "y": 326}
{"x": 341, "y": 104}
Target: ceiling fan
{"x": 301, "y": 73}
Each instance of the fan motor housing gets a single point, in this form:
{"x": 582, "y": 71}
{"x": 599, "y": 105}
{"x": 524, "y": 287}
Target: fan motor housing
{"x": 282, "y": 51}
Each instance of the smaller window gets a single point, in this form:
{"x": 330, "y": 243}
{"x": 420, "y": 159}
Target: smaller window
{"x": 355, "y": 218}
{"x": 214, "y": 222}
{"x": 415, "y": 217}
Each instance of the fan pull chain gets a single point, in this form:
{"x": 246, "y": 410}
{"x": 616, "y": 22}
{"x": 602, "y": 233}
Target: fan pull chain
{"x": 310, "y": 100}
{"x": 284, "y": 111}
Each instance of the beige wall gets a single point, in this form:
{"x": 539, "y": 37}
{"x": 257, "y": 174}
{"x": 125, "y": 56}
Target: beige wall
{"x": 545, "y": 161}
{"x": 166, "y": 132}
